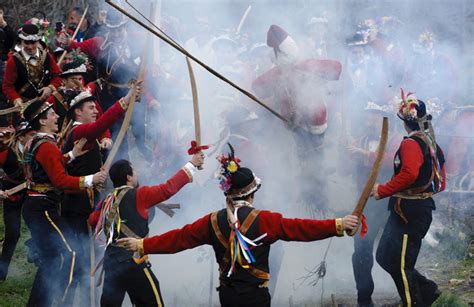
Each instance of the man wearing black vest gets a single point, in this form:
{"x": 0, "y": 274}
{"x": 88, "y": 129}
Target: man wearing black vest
{"x": 78, "y": 204}
{"x": 72, "y": 83}
{"x": 124, "y": 213}
{"x": 7, "y": 41}
{"x": 30, "y": 72}
{"x": 419, "y": 173}
{"x": 47, "y": 178}
{"x": 11, "y": 161}
{"x": 116, "y": 67}
{"x": 244, "y": 275}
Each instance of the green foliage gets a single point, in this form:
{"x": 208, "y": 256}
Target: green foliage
{"x": 19, "y": 11}
{"x": 453, "y": 243}
{"x": 449, "y": 300}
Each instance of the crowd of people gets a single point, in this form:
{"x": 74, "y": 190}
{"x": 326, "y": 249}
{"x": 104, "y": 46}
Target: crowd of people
{"x": 63, "y": 99}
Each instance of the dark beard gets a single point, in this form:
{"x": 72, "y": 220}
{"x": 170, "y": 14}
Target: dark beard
{"x": 72, "y": 26}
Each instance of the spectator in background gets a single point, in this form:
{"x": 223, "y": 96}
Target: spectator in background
{"x": 86, "y": 30}
{"x": 431, "y": 71}
{"x": 200, "y": 45}
{"x": 7, "y": 40}
{"x": 7, "y": 37}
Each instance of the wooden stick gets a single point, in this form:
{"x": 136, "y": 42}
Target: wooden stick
{"x": 10, "y": 110}
{"x": 17, "y": 189}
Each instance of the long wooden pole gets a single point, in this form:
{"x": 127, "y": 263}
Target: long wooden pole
{"x": 202, "y": 64}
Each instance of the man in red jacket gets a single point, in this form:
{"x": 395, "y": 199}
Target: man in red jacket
{"x": 31, "y": 72}
{"x": 244, "y": 275}
{"x": 72, "y": 83}
{"x": 47, "y": 178}
{"x": 78, "y": 204}
{"x": 116, "y": 67}
{"x": 11, "y": 161}
{"x": 419, "y": 173}
{"x": 299, "y": 89}
{"x": 124, "y": 213}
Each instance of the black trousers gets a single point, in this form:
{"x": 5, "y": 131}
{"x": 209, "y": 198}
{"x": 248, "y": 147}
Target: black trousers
{"x": 12, "y": 222}
{"x": 51, "y": 236}
{"x": 137, "y": 280}
{"x": 75, "y": 211}
{"x": 82, "y": 244}
{"x": 244, "y": 297}
{"x": 363, "y": 256}
{"x": 399, "y": 247}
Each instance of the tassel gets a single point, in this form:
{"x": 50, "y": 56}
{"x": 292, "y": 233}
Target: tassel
{"x": 364, "y": 228}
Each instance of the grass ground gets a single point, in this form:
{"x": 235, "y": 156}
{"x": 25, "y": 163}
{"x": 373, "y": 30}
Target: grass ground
{"x": 15, "y": 290}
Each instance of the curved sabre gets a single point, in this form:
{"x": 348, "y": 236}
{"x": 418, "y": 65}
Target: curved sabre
{"x": 364, "y": 196}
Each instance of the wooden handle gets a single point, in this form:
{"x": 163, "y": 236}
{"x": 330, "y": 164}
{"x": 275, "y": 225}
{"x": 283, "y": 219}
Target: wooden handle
{"x": 17, "y": 189}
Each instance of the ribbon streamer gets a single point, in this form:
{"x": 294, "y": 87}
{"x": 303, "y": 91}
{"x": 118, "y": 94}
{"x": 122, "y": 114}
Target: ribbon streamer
{"x": 239, "y": 248}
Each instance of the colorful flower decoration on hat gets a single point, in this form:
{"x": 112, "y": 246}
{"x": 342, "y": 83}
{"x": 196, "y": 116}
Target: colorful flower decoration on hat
{"x": 45, "y": 31}
{"x": 80, "y": 56}
{"x": 407, "y": 110}
{"x": 229, "y": 164}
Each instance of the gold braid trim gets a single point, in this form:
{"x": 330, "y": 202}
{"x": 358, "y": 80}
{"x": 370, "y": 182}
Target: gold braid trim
{"x": 188, "y": 173}
{"x": 339, "y": 227}
{"x": 140, "y": 249}
{"x": 123, "y": 104}
{"x": 82, "y": 182}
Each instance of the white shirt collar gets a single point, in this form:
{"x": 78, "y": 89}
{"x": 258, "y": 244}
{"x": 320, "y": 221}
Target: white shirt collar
{"x": 27, "y": 56}
{"x": 414, "y": 132}
{"x": 46, "y": 134}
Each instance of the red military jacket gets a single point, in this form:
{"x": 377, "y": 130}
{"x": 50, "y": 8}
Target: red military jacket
{"x": 300, "y": 92}
{"x": 149, "y": 196}
{"x": 59, "y": 103}
{"x": 52, "y": 161}
{"x": 99, "y": 128}
{"x": 273, "y": 224}
{"x": 412, "y": 159}
{"x": 11, "y": 76}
